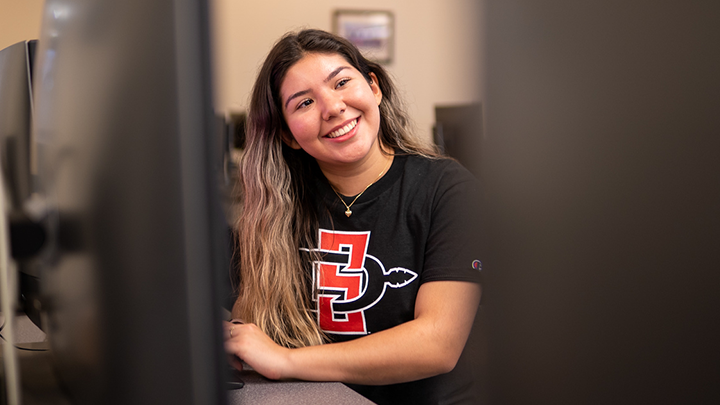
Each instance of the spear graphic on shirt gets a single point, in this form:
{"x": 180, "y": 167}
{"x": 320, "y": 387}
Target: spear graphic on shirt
{"x": 372, "y": 289}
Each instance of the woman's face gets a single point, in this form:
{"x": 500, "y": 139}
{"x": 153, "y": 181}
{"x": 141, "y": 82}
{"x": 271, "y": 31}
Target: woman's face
{"x": 331, "y": 110}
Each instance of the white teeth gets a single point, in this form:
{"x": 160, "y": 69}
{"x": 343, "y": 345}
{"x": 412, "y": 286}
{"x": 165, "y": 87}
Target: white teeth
{"x": 344, "y": 130}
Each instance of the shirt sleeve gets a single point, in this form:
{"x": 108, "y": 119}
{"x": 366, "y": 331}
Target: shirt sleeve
{"x": 454, "y": 246}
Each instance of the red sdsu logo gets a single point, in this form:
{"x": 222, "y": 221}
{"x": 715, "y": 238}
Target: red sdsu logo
{"x": 348, "y": 281}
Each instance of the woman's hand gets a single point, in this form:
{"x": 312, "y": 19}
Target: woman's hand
{"x": 248, "y": 343}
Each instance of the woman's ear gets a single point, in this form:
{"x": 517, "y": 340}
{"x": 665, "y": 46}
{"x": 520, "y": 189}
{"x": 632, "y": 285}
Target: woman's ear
{"x": 289, "y": 140}
{"x": 375, "y": 87}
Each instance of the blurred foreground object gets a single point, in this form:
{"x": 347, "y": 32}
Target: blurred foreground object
{"x": 600, "y": 158}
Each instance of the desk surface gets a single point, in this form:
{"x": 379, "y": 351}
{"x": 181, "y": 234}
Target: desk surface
{"x": 261, "y": 391}
{"x": 40, "y": 386}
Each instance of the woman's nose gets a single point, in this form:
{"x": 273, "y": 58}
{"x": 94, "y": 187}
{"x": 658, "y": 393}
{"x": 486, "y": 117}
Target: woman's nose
{"x": 333, "y": 106}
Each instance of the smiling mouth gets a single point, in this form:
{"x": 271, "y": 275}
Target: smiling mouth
{"x": 344, "y": 130}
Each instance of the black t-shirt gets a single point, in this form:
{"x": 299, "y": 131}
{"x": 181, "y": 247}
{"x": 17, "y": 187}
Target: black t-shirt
{"x": 419, "y": 223}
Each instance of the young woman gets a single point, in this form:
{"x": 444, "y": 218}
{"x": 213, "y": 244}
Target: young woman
{"x": 358, "y": 257}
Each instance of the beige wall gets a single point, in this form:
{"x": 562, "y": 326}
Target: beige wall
{"x": 436, "y": 59}
{"x": 436, "y": 48}
{"x": 19, "y": 20}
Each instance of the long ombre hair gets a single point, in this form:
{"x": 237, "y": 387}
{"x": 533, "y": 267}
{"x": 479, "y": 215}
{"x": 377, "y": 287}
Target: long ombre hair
{"x": 277, "y": 216}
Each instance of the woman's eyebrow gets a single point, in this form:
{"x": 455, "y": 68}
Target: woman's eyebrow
{"x": 298, "y": 94}
{"x": 327, "y": 79}
{"x": 335, "y": 73}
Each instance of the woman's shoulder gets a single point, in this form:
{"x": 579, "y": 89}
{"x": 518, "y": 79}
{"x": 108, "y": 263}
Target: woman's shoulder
{"x": 437, "y": 168}
{"x": 441, "y": 184}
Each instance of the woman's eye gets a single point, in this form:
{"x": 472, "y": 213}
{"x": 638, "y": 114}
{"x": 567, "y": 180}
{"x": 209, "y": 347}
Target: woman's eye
{"x": 342, "y": 82}
{"x": 304, "y": 103}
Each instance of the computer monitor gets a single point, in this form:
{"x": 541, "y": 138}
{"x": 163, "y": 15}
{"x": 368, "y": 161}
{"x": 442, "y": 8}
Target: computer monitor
{"x": 129, "y": 166}
{"x": 25, "y": 237}
{"x": 16, "y": 117}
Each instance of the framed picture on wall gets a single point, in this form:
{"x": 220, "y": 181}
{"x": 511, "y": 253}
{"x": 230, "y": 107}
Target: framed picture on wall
{"x": 371, "y": 31}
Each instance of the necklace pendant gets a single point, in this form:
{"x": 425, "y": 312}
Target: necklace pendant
{"x": 348, "y": 213}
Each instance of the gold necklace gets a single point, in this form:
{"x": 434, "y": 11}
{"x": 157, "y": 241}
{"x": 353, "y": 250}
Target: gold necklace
{"x": 348, "y": 212}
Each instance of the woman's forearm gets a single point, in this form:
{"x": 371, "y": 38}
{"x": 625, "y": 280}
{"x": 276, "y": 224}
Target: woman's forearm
{"x": 427, "y": 346}
{"x": 403, "y": 353}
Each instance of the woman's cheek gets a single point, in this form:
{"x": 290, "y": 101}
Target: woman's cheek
{"x": 303, "y": 130}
